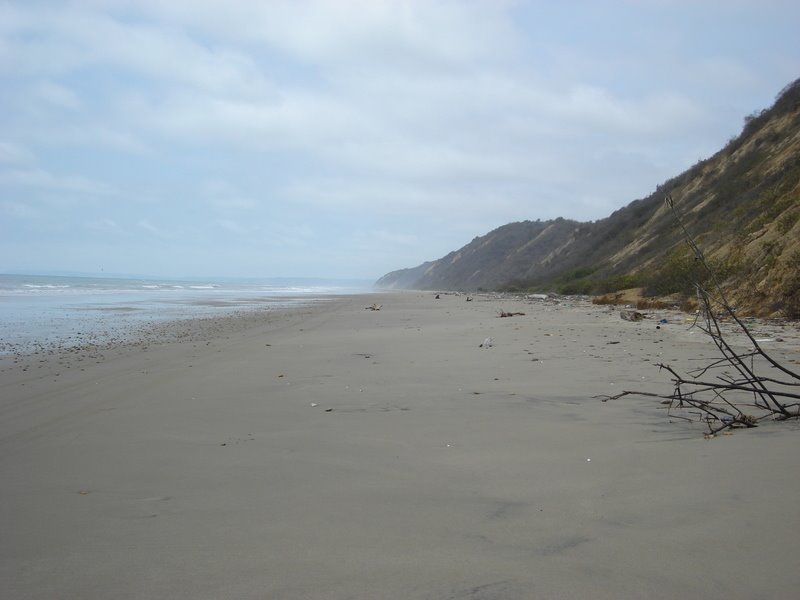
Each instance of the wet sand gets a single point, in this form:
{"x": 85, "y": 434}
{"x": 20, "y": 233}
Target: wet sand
{"x": 334, "y": 452}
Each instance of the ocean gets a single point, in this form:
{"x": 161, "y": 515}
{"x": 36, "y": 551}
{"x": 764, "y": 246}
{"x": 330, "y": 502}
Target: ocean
{"x": 41, "y": 310}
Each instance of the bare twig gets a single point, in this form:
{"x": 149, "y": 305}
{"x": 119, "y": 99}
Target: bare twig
{"x": 721, "y": 403}
{"x": 503, "y": 313}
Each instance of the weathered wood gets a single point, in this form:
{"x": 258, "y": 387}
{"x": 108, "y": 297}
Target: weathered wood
{"x": 631, "y": 315}
{"x": 510, "y": 314}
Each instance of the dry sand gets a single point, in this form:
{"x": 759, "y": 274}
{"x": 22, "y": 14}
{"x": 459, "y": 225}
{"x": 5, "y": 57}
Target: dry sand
{"x": 429, "y": 468}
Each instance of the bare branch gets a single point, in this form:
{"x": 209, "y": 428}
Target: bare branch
{"x": 721, "y": 403}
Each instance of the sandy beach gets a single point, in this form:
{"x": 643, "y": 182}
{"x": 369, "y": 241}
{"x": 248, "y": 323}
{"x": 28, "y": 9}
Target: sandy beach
{"x": 332, "y": 452}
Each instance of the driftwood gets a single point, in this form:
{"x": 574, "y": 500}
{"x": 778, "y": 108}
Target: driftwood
{"x": 373, "y": 307}
{"x": 503, "y": 313}
{"x": 631, "y": 315}
{"x": 733, "y": 389}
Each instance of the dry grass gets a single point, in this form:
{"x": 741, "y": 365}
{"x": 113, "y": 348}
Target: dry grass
{"x": 634, "y": 297}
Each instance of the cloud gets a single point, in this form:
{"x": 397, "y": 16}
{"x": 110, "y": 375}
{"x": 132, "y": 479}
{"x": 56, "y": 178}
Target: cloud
{"x": 599, "y": 110}
{"x": 20, "y": 210}
{"x": 400, "y": 200}
{"x": 148, "y": 226}
{"x": 412, "y": 125}
{"x": 41, "y": 178}
{"x": 234, "y": 203}
{"x": 298, "y": 120}
{"x": 224, "y": 196}
{"x": 232, "y": 226}
{"x": 93, "y": 135}
{"x": 394, "y": 237}
{"x": 79, "y": 37}
{"x": 57, "y": 95}
{"x": 722, "y": 71}
{"x": 14, "y": 154}
{"x": 286, "y": 235}
{"x": 361, "y": 98}
{"x": 415, "y": 32}
{"x": 105, "y": 225}
{"x": 218, "y": 187}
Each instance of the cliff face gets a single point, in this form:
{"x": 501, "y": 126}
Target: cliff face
{"x": 742, "y": 206}
{"x": 489, "y": 261}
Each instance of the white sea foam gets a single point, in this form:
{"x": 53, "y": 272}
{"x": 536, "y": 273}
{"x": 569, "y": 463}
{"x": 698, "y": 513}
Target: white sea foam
{"x": 38, "y": 309}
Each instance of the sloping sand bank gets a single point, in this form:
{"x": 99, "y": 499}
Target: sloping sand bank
{"x": 337, "y": 452}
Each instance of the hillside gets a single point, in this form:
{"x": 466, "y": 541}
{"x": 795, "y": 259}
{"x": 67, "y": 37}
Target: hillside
{"x": 742, "y": 205}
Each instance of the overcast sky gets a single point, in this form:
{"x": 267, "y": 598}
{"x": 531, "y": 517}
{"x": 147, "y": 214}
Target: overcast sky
{"x": 344, "y": 138}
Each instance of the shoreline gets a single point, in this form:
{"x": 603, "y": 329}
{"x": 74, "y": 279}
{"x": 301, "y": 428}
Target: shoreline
{"x": 336, "y": 452}
{"x": 39, "y": 312}
{"x": 110, "y": 326}
{"x": 73, "y": 355}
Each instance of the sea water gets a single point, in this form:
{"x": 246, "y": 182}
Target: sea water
{"x": 39, "y": 310}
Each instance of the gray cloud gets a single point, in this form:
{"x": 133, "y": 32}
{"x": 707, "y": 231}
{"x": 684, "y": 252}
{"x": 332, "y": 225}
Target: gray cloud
{"x": 411, "y": 124}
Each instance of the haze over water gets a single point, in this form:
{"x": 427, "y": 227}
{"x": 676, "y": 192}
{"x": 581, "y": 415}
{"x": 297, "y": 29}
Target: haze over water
{"x": 38, "y": 310}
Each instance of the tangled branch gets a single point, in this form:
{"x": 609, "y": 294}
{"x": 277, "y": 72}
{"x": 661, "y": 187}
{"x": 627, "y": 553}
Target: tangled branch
{"x": 730, "y": 391}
